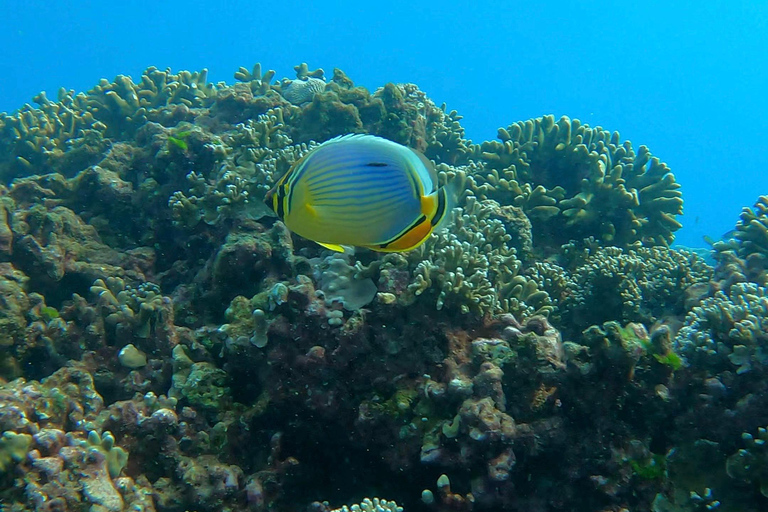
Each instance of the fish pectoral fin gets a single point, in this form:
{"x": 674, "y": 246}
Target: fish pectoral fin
{"x": 333, "y": 247}
{"x": 311, "y": 210}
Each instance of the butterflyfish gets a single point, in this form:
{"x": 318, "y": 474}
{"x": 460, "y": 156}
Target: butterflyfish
{"x": 364, "y": 191}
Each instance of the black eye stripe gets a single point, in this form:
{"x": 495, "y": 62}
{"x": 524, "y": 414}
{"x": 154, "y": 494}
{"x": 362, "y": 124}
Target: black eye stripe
{"x": 376, "y": 164}
{"x": 280, "y": 202}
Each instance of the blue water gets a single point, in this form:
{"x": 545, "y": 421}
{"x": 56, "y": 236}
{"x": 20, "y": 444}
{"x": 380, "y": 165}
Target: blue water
{"x": 687, "y": 79}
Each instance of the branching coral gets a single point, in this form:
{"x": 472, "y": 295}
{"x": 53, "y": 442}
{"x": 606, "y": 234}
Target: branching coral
{"x": 752, "y": 229}
{"x": 258, "y": 81}
{"x": 744, "y": 256}
{"x": 71, "y": 133}
{"x": 469, "y": 267}
{"x": 56, "y": 136}
{"x": 123, "y": 105}
{"x": 133, "y": 313}
{"x": 728, "y": 330}
{"x": 414, "y": 120}
{"x": 371, "y": 505}
{"x": 750, "y": 464}
{"x": 261, "y": 153}
{"x": 634, "y": 285}
{"x": 575, "y": 181}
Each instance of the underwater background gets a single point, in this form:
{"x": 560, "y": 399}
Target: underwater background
{"x": 684, "y": 78}
{"x": 569, "y": 343}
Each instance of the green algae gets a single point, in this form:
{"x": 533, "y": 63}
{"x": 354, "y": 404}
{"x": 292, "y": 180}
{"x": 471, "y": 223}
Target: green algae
{"x": 397, "y": 406}
{"x": 48, "y": 313}
{"x": 653, "y": 468}
{"x": 670, "y": 359}
{"x": 13, "y": 449}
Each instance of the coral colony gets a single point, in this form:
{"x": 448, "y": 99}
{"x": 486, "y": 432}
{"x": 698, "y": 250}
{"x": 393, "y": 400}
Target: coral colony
{"x": 167, "y": 345}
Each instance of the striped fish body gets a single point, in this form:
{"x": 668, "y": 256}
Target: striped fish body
{"x": 361, "y": 190}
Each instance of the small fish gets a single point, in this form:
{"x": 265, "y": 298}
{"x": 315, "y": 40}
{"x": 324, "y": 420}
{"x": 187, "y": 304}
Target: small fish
{"x": 362, "y": 190}
{"x": 728, "y": 235}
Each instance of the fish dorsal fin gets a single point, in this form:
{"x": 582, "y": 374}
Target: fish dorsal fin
{"x": 346, "y": 137}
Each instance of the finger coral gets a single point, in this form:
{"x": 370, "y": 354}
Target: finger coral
{"x": 575, "y": 181}
{"x": 744, "y": 256}
{"x": 728, "y": 330}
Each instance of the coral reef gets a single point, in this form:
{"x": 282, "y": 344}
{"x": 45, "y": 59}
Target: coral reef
{"x": 645, "y": 284}
{"x": 470, "y": 267}
{"x": 574, "y": 181}
{"x": 166, "y": 344}
{"x": 744, "y": 256}
{"x": 728, "y": 330}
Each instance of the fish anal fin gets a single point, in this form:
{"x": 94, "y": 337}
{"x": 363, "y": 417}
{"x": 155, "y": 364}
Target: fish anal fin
{"x": 332, "y": 247}
{"x": 410, "y": 240}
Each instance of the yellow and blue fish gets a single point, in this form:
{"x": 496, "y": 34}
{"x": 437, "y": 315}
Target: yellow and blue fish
{"x": 364, "y": 191}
